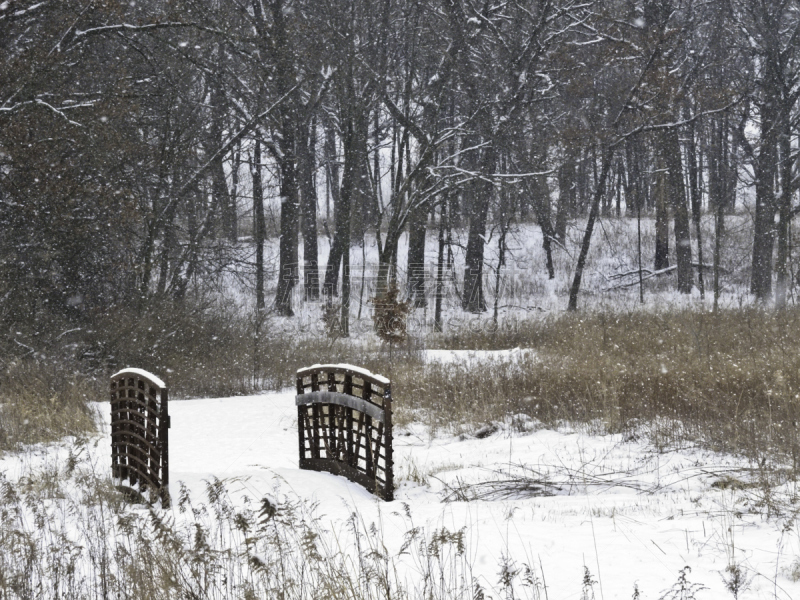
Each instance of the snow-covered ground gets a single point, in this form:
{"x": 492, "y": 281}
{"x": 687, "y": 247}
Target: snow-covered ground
{"x": 525, "y": 289}
{"x": 448, "y": 356}
{"x": 573, "y": 514}
{"x": 561, "y": 502}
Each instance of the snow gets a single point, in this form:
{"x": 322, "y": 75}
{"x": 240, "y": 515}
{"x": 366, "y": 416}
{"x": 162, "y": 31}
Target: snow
{"x": 141, "y": 373}
{"x": 448, "y": 356}
{"x": 343, "y": 366}
{"x": 557, "y": 501}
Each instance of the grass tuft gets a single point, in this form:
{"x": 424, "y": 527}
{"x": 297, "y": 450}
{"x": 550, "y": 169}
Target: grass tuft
{"x": 43, "y": 402}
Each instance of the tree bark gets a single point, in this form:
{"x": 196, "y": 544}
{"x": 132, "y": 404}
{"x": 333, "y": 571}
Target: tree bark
{"x": 566, "y": 196}
{"x": 331, "y": 174}
{"x": 306, "y": 152}
{"x": 288, "y": 242}
{"x": 785, "y": 212}
{"x": 662, "y": 217}
{"x": 341, "y": 207}
{"x": 481, "y": 193}
{"x": 538, "y": 198}
{"x": 259, "y": 226}
{"x": 437, "y": 315}
{"x": 289, "y": 124}
{"x": 683, "y": 242}
{"x": 587, "y": 235}
{"x": 694, "y": 193}
{"x": 764, "y": 225}
{"x": 227, "y": 218}
{"x": 416, "y": 255}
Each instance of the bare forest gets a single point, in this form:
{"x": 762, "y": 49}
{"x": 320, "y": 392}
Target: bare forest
{"x": 145, "y": 144}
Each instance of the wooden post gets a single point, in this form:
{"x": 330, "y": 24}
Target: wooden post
{"x": 387, "y": 432}
{"x": 164, "y": 425}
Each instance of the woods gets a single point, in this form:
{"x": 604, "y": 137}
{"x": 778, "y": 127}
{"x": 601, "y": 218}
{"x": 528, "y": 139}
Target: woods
{"x": 565, "y": 230}
{"x": 144, "y": 145}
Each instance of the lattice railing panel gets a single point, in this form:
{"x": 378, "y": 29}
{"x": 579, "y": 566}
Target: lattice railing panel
{"x": 344, "y": 418}
{"x": 139, "y": 438}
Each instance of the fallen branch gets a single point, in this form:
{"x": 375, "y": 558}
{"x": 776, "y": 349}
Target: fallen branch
{"x": 562, "y": 480}
{"x": 710, "y": 268}
{"x": 648, "y": 274}
{"x": 645, "y": 277}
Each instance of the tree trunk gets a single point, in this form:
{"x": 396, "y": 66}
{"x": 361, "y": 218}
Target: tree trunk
{"x": 566, "y": 196}
{"x": 764, "y": 226}
{"x": 541, "y": 200}
{"x": 635, "y": 201}
{"x": 345, "y": 314}
{"x": 582, "y": 182}
{"x": 719, "y": 230}
{"x": 538, "y": 198}
{"x": 694, "y": 192}
{"x": 731, "y": 163}
{"x": 341, "y": 210}
{"x": 234, "y": 192}
{"x": 619, "y": 187}
{"x": 662, "y": 217}
{"x": 170, "y": 240}
{"x": 331, "y": 174}
{"x": 437, "y": 315}
{"x": 632, "y": 205}
{"x": 587, "y": 235}
{"x": 481, "y": 193}
{"x": 717, "y": 160}
{"x": 228, "y": 225}
{"x": 683, "y": 242}
{"x": 501, "y": 261}
{"x": 416, "y": 256}
{"x": 785, "y": 212}
{"x": 387, "y": 262}
{"x": 287, "y": 245}
{"x": 276, "y": 42}
{"x": 306, "y": 155}
{"x": 259, "y": 226}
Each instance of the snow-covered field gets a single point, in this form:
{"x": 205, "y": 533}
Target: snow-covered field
{"x": 575, "y": 514}
{"x": 525, "y": 289}
{"x": 514, "y": 510}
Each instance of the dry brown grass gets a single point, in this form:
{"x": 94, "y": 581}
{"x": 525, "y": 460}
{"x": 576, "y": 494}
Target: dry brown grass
{"x": 216, "y": 350}
{"x": 42, "y": 402}
{"x": 730, "y": 380}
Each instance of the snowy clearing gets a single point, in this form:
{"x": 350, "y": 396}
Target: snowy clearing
{"x": 560, "y": 502}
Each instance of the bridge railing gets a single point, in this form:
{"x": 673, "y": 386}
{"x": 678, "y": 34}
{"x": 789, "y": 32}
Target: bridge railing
{"x": 344, "y": 420}
{"x": 139, "y": 434}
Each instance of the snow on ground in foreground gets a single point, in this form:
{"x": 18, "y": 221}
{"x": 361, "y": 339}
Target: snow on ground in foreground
{"x": 631, "y": 515}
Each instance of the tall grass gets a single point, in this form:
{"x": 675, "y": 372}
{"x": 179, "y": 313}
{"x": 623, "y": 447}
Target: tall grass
{"x": 200, "y": 348}
{"x": 42, "y": 401}
{"x": 213, "y": 348}
{"x": 730, "y": 380}
{"x": 65, "y": 532}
